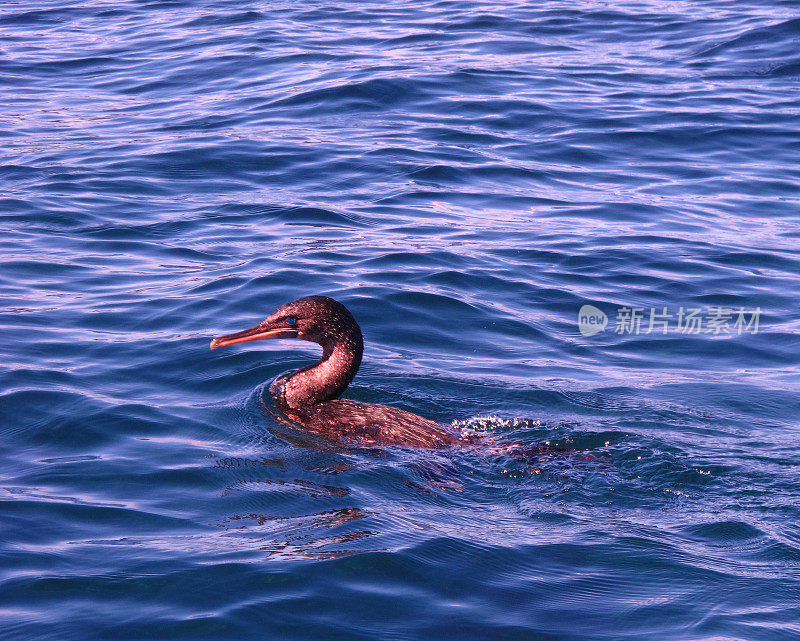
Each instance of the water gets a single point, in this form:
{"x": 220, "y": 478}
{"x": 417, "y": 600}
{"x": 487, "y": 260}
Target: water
{"x": 464, "y": 176}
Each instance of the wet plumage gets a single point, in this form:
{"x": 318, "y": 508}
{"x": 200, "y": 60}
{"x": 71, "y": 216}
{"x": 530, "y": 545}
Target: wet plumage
{"x": 309, "y": 396}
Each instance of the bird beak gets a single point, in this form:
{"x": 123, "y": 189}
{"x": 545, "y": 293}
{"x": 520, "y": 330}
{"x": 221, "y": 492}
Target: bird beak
{"x": 257, "y": 333}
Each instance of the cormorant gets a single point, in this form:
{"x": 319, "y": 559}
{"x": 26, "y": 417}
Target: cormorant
{"x": 310, "y": 396}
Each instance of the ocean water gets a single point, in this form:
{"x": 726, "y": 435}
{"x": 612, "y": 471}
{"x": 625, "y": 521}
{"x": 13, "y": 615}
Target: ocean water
{"x": 464, "y": 176}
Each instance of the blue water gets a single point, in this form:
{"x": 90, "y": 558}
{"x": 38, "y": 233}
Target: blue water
{"x": 464, "y": 176}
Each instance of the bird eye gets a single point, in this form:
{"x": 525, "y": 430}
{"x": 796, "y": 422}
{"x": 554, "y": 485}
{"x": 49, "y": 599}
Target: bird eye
{"x": 291, "y": 320}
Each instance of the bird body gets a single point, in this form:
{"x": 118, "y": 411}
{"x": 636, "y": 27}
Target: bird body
{"x": 342, "y": 419}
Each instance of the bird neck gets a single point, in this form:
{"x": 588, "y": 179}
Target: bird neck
{"x": 327, "y": 378}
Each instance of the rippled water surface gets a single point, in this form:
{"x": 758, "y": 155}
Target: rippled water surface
{"x": 464, "y": 176}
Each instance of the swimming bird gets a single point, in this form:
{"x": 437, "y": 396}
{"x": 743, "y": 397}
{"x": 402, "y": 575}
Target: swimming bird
{"x": 310, "y": 396}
